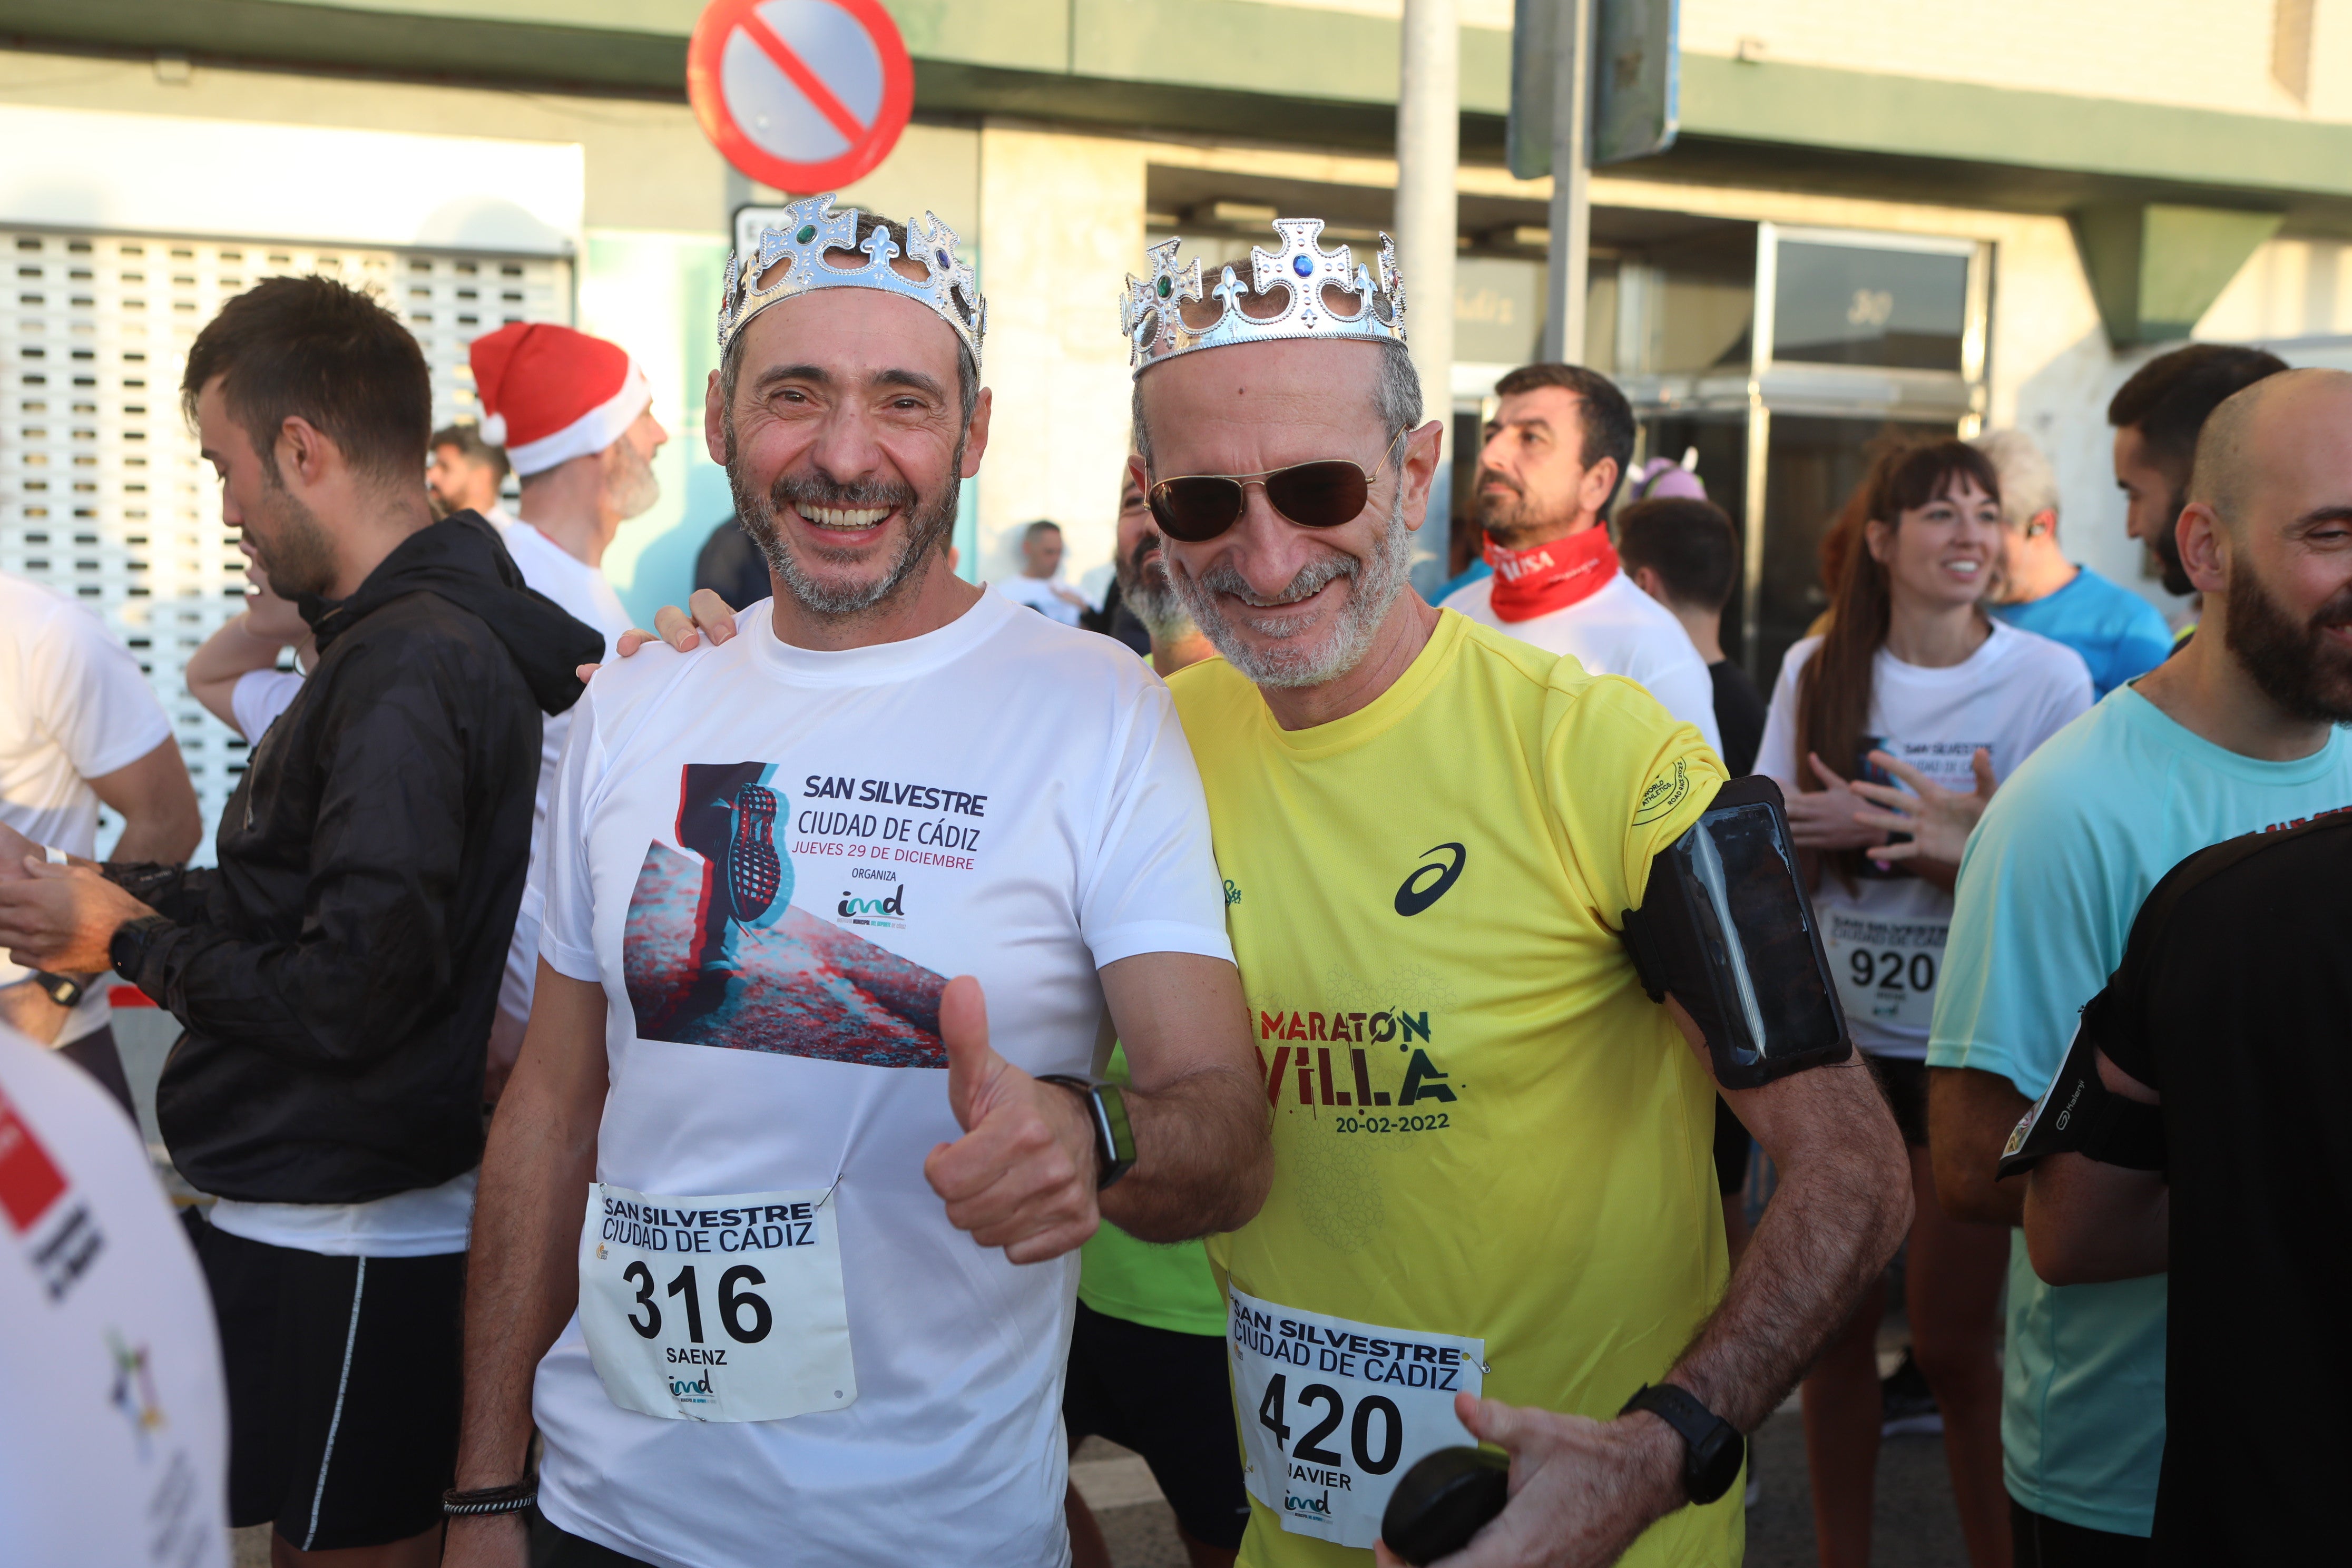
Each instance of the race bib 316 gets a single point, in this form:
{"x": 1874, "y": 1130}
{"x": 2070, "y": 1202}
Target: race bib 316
{"x": 715, "y": 1309}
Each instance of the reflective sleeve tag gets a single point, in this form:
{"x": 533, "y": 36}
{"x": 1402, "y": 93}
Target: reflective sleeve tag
{"x": 1333, "y": 1412}
{"x": 715, "y": 1309}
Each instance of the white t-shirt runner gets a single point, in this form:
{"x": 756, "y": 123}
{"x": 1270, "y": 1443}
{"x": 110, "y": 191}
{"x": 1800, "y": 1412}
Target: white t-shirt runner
{"x": 113, "y": 1418}
{"x": 73, "y": 707}
{"x": 1885, "y": 934}
{"x": 1616, "y": 629}
{"x": 774, "y": 860}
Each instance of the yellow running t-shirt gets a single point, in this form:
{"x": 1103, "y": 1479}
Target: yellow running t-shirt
{"x": 1424, "y": 898}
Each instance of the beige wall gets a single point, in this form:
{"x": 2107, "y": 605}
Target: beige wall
{"x": 2204, "y": 53}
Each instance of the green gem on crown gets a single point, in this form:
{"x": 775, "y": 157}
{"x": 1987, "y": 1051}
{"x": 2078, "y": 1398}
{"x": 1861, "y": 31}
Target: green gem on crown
{"x": 807, "y": 233}
{"x": 1165, "y": 288}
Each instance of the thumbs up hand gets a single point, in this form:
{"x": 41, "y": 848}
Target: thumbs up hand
{"x": 1023, "y": 1175}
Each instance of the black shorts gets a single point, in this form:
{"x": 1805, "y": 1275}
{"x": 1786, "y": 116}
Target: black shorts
{"x": 1904, "y": 1081}
{"x": 1167, "y": 1397}
{"x": 1730, "y": 1150}
{"x": 344, "y": 1386}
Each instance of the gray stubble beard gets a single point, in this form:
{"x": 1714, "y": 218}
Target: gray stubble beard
{"x": 1375, "y": 581}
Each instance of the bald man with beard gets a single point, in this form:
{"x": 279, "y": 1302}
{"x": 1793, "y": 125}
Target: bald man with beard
{"x": 2238, "y": 733}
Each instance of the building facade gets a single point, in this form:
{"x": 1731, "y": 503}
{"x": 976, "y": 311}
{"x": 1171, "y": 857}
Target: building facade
{"x": 1876, "y": 215}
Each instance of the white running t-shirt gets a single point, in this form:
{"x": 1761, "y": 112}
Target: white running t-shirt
{"x": 773, "y": 859}
{"x": 585, "y": 596}
{"x": 1037, "y": 592}
{"x": 113, "y": 1415}
{"x": 73, "y": 707}
{"x": 1616, "y": 629}
{"x": 1886, "y": 933}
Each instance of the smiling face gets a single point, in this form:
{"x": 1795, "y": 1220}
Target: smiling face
{"x": 1288, "y": 606}
{"x": 1141, "y": 562}
{"x": 845, "y": 442}
{"x": 2280, "y": 558}
{"x": 1940, "y": 554}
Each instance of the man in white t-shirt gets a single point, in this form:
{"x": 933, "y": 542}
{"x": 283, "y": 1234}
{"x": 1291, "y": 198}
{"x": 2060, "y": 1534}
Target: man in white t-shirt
{"x": 113, "y": 1416}
{"x": 823, "y": 1289}
{"x": 1559, "y": 442}
{"x": 577, "y": 419}
{"x": 1039, "y": 584}
{"x": 467, "y": 473}
{"x": 79, "y": 727}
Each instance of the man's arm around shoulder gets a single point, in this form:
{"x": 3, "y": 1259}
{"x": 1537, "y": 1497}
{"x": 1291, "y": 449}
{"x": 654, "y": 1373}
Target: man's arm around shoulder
{"x": 522, "y": 1279}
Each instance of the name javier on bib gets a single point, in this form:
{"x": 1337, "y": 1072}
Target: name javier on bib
{"x": 1333, "y": 1412}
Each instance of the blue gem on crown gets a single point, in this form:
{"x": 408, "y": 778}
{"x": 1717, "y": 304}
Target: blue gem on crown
{"x": 1152, "y": 310}
{"x": 810, "y": 229}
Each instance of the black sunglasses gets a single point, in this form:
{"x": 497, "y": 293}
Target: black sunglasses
{"x": 1199, "y": 507}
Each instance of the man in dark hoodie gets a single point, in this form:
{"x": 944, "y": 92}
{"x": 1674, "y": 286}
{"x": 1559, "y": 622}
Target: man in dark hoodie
{"x": 336, "y": 976}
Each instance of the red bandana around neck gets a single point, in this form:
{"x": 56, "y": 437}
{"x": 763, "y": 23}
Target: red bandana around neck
{"x": 1551, "y": 575}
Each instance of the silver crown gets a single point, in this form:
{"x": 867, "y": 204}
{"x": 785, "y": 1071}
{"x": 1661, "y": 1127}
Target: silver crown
{"x": 1152, "y": 312}
{"x": 811, "y": 228}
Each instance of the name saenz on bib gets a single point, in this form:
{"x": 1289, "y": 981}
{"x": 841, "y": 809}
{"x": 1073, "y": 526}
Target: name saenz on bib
{"x": 1310, "y": 1349}
{"x": 759, "y": 1229}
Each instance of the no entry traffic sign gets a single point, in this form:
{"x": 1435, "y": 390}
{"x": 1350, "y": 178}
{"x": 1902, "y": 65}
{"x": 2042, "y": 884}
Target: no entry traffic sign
{"x": 803, "y": 95}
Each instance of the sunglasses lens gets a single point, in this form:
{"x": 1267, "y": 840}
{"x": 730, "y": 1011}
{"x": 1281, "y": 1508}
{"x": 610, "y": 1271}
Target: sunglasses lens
{"x": 1195, "y": 510}
{"x": 1318, "y": 495}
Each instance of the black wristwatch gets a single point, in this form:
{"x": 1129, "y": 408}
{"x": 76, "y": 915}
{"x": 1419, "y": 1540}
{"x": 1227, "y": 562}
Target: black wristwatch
{"x": 1114, "y": 1138}
{"x": 126, "y": 949}
{"x": 1712, "y": 1451}
{"x": 65, "y": 990}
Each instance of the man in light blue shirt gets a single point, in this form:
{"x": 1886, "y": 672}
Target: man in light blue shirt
{"x": 2119, "y": 635}
{"x": 2235, "y": 734}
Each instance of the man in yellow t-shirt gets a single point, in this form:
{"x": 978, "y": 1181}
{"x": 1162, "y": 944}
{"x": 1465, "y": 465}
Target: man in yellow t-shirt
{"x": 1493, "y": 1150}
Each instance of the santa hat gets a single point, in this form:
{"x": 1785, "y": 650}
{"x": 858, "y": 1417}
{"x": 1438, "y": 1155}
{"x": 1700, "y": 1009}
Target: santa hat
{"x": 550, "y": 395}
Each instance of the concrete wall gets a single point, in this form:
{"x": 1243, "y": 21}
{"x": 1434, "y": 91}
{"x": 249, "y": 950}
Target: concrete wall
{"x": 2202, "y": 54}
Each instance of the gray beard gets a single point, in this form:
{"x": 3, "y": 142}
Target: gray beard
{"x": 1294, "y": 661}
{"x": 630, "y": 488}
{"x": 929, "y": 525}
{"x": 1152, "y": 599}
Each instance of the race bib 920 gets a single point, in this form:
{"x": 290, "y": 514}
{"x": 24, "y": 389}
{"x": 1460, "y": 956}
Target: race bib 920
{"x": 715, "y": 1309}
{"x": 1886, "y": 969}
{"x": 1334, "y": 1412}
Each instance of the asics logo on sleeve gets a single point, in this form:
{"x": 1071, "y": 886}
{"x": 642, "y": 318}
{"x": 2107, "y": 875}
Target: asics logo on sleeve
{"x": 1429, "y": 880}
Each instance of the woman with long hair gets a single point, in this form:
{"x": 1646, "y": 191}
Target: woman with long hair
{"x": 1911, "y": 680}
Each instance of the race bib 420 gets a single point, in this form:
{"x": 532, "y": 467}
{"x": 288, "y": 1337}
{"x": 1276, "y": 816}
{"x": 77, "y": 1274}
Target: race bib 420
{"x": 715, "y": 1309}
{"x": 1334, "y": 1412}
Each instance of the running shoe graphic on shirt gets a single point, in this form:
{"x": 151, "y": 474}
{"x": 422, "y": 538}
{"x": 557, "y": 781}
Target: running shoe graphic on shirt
{"x": 708, "y": 960}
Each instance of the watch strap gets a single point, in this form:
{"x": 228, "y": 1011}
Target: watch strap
{"x": 1114, "y": 1136}
{"x": 126, "y": 949}
{"x": 1706, "y": 1438}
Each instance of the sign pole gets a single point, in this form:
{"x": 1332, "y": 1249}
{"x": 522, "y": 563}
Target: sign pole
{"x": 1571, "y": 156}
{"x": 1429, "y": 152}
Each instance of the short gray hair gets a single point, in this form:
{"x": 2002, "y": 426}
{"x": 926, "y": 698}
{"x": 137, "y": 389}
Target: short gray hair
{"x": 1396, "y": 398}
{"x": 2029, "y": 486}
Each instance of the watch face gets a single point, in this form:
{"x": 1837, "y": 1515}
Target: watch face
{"x": 1712, "y": 1472}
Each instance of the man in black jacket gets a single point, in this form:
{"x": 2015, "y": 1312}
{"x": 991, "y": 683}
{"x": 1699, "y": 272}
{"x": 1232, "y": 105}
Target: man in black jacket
{"x": 337, "y": 974}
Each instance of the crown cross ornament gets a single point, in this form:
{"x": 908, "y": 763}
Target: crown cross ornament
{"x": 1151, "y": 312}
{"x": 811, "y": 228}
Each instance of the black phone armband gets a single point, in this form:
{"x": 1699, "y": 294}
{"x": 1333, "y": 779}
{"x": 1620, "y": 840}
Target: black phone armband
{"x": 2079, "y": 1114}
{"x": 1726, "y": 927}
